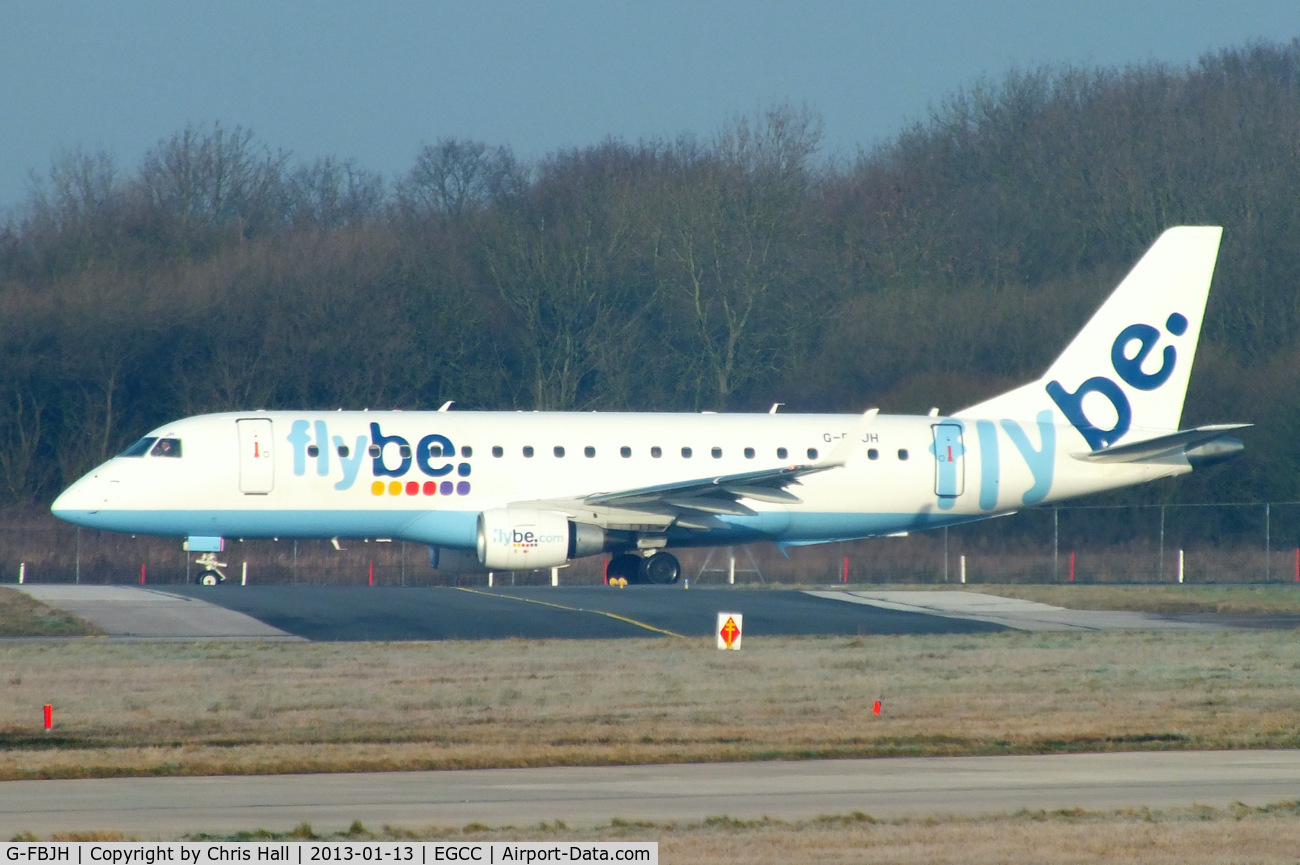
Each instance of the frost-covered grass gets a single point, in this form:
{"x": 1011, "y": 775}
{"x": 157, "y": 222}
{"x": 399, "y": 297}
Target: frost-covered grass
{"x": 22, "y": 616}
{"x": 253, "y": 707}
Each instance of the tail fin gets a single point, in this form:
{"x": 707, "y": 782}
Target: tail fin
{"x": 1129, "y": 366}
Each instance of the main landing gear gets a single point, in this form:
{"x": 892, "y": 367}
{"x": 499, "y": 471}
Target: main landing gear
{"x": 659, "y": 569}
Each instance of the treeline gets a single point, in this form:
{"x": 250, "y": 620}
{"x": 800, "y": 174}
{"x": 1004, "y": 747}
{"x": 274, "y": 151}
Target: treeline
{"x": 720, "y": 273}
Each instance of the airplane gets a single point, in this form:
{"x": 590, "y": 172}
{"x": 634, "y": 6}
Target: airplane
{"x": 497, "y": 490}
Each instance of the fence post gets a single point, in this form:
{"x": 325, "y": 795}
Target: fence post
{"x": 1180, "y": 567}
{"x": 945, "y": 558}
{"x": 1268, "y": 543}
{"x": 22, "y": 572}
{"x": 1056, "y": 544}
{"x": 1160, "y": 577}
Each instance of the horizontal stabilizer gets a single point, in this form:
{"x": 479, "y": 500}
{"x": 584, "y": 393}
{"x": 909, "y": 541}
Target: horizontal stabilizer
{"x": 1162, "y": 447}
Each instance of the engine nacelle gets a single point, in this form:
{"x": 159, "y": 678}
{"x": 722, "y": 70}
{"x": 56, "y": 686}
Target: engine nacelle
{"x": 520, "y": 539}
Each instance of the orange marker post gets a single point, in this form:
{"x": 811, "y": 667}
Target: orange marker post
{"x": 371, "y": 578}
{"x": 875, "y": 708}
{"x": 142, "y": 574}
{"x": 49, "y": 717}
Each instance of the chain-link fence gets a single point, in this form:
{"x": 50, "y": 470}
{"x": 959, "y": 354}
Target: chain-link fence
{"x": 1210, "y": 543}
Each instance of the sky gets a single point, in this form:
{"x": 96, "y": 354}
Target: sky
{"x": 376, "y": 81}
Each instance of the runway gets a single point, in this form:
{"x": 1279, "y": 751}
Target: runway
{"x": 575, "y": 612}
{"x": 589, "y": 796}
{"x": 445, "y": 613}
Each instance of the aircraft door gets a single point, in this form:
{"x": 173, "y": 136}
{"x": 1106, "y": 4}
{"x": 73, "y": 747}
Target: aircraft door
{"x": 949, "y": 460}
{"x": 256, "y": 465}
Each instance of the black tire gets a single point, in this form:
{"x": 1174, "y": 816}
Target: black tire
{"x": 625, "y": 565}
{"x": 209, "y": 578}
{"x": 661, "y": 569}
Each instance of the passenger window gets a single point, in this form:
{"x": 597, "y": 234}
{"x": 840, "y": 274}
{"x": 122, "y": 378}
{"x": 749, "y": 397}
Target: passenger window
{"x": 166, "y": 448}
{"x": 498, "y": 451}
{"x": 589, "y": 451}
{"x": 902, "y": 453}
{"x": 625, "y": 451}
{"x": 812, "y": 453}
{"x": 466, "y": 451}
{"x": 686, "y": 452}
{"x": 140, "y": 448}
{"x": 435, "y": 449}
{"x": 656, "y": 452}
{"x": 405, "y": 451}
{"x": 344, "y": 451}
{"x": 873, "y": 454}
{"x": 374, "y": 450}
{"x": 749, "y": 453}
{"x": 717, "y": 453}
{"x": 559, "y": 451}
{"x": 528, "y": 451}
{"x": 782, "y": 453}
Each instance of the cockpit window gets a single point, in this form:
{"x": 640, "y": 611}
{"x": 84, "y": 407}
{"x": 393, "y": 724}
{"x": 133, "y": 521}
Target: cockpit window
{"x": 166, "y": 448}
{"x": 140, "y": 448}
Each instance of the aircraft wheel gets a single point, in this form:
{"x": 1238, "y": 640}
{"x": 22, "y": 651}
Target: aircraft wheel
{"x": 209, "y": 578}
{"x": 625, "y": 565}
{"x": 661, "y": 569}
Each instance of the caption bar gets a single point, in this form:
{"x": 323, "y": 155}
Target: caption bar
{"x": 309, "y": 852}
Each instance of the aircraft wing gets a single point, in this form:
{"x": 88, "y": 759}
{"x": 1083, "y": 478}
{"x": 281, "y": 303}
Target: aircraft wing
{"x": 698, "y": 503}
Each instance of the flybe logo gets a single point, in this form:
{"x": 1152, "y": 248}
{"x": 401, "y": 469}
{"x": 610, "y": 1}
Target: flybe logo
{"x": 390, "y": 456}
{"x": 525, "y": 540}
{"x": 1130, "y": 371}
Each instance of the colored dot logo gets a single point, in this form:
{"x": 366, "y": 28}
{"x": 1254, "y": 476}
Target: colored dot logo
{"x": 415, "y": 488}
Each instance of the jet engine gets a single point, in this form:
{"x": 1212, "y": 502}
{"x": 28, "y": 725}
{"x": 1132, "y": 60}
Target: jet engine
{"x": 518, "y": 539}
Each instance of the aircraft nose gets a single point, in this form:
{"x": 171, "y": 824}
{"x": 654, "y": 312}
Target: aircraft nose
{"x": 80, "y": 501}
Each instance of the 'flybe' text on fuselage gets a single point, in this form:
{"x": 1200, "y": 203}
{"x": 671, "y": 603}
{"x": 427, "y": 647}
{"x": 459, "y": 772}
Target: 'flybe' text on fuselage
{"x": 391, "y": 456}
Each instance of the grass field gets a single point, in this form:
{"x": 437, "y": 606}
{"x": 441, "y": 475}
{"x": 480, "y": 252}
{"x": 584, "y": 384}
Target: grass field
{"x": 21, "y": 616}
{"x": 1171, "y": 837}
{"x": 253, "y": 707}
{"x": 160, "y": 708}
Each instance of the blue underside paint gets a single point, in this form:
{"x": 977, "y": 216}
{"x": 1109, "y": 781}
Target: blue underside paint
{"x": 458, "y": 529}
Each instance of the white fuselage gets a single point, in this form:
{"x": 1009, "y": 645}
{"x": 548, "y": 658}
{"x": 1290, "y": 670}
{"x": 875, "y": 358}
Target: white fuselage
{"x": 425, "y": 476}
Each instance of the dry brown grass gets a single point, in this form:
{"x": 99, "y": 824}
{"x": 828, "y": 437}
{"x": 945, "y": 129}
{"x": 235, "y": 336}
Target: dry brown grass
{"x": 1172, "y": 837}
{"x": 249, "y": 707}
{"x": 22, "y": 616}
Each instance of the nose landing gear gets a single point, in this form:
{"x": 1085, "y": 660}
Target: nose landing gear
{"x": 212, "y": 573}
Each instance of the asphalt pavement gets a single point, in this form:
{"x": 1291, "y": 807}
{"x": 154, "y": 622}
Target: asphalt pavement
{"x": 596, "y": 795}
{"x": 564, "y": 612}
